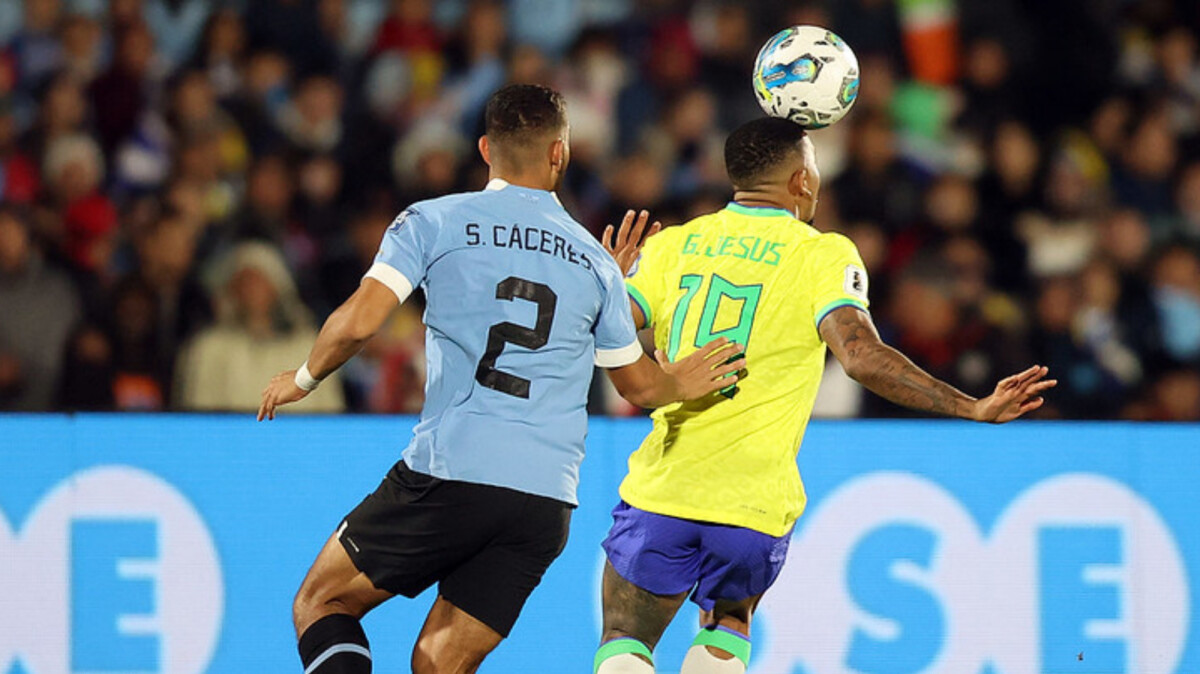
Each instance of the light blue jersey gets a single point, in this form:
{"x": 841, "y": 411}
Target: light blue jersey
{"x": 521, "y": 301}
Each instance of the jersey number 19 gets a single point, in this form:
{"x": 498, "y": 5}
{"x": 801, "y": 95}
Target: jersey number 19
{"x": 719, "y": 289}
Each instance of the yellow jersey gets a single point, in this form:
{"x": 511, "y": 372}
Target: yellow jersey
{"x": 764, "y": 279}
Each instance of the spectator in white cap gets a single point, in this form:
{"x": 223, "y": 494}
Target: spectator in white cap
{"x": 262, "y": 327}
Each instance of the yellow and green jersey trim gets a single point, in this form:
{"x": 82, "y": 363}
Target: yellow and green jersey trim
{"x": 838, "y": 304}
{"x": 640, "y": 300}
{"x": 759, "y": 211}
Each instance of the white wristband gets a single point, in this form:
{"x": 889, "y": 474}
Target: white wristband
{"x": 304, "y": 378}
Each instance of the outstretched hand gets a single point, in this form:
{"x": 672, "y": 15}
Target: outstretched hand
{"x": 711, "y": 368}
{"x": 281, "y": 391}
{"x": 1014, "y": 396}
{"x": 630, "y": 238}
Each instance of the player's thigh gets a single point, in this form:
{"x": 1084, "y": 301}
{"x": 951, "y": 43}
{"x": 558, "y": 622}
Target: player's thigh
{"x": 494, "y": 584}
{"x": 739, "y": 565}
{"x": 334, "y": 585}
{"x": 630, "y": 611}
{"x": 452, "y": 641}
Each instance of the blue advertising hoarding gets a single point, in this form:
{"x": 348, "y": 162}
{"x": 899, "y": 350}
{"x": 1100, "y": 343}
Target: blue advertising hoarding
{"x": 175, "y": 543}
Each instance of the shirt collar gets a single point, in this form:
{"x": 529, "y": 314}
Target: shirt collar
{"x": 497, "y": 184}
{"x": 759, "y": 211}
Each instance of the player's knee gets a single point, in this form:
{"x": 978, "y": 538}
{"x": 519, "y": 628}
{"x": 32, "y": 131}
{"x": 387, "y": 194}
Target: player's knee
{"x": 313, "y": 602}
{"x": 433, "y": 654}
{"x": 303, "y": 608}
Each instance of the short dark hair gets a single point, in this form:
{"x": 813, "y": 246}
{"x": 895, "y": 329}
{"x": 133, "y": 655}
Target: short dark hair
{"x": 523, "y": 110}
{"x": 759, "y": 146}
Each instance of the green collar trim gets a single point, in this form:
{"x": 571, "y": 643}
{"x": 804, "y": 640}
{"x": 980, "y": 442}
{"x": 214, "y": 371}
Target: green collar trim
{"x": 758, "y": 211}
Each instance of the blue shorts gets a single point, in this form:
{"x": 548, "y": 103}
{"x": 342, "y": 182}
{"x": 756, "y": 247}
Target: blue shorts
{"x": 667, "y": 555}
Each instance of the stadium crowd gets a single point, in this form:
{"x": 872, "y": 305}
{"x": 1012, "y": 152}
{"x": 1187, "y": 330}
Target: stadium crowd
{"x": 187, "y": 187}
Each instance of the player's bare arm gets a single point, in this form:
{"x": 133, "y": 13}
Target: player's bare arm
{"x": 630, "y": 237}
{"x": 852, "y": 337}
{"x": 343, "y": 335}
{"x": 645, "y": 383}
{"x": 648, "y": 384}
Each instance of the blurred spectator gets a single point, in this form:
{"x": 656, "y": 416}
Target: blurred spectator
{"x": 120, "y": 366}
{"x": 875, "y": 186}
{"x": 40, "y": 308}
{"x": 266, "y": 215}
{"x": 221, "y": 52}
{"x": 194, "y": 111}
{"x": 292, "y": 28}
{"x": 87, "y": 382}
{"x": 992, "y": 95}
{"x": 312, "y": 120}
{"x": 1176, "y": 397}
{"x": 408, "y": 28}
{"x": 35, "y": 47}
{"x": 1107, "y": 126}
{"x": 266, "y": 79}
{"x": 476, "y": 63}
{"x": 1087, "y": 390}
{"x": 82, "y": 45}
{"x": 74, "y": 171}
{"x": 19, "y": 179}
{"x": 166, "y": 266}
{"x": 1187, "y": 201}
{"x": 63, "y": 110}
{"x": 176, "y": 24}
{"x": 672, "y": 63}
{"x": 262, "y": 328}
{"x": 727, "y": 43}
{"x": 1143, "y": 179}
{"x": 1180, "y": 74}
{"x": 939, "y": 316}
{"x": 1061, "y": 239}
{"x": 318, "y": 205}
{"x": 120, "y": 95}
{"x": 426, "y": 161}
{"x": 686, "y": 145}
{"x": 1176, "y": 279}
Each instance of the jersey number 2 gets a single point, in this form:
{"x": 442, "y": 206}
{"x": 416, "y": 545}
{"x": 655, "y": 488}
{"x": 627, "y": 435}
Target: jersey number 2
{"x": 510, "y": 333}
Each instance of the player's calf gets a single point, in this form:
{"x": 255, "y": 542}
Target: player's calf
{"x": 452, "y": 641}
{"x": 326, "y": 611}
{"x": 718, "y": 650}
{"x": 335, "y": 644}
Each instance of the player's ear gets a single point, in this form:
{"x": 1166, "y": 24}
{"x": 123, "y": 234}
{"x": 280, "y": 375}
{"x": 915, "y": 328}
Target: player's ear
{"x": 558, "y": 154}
{"x": 485, "y": 150}
{"x": 800, "y": 183}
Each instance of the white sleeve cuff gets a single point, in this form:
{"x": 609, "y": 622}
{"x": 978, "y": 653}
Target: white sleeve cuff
{"x": 392, "y": 278}
{"x": 613, "y": 358}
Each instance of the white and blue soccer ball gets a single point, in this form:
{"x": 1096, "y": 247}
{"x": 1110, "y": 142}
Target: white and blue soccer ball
{"x": 806, "y": 74}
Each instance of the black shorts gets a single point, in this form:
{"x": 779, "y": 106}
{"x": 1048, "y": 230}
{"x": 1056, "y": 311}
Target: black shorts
{"x": 486, "y": 547}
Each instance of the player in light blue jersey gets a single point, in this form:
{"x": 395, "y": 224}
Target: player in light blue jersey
{"x": 521, "y": 301}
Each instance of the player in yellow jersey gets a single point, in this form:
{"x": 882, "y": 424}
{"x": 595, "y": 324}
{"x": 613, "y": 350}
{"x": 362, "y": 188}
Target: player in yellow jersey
{"x": 712, "y": 493}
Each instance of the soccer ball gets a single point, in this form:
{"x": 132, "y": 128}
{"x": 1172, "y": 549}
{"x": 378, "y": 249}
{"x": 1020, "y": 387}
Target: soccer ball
{"x": 806, "y": 74}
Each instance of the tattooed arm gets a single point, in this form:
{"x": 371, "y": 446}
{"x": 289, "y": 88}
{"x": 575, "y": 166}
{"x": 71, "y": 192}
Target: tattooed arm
{"x": 852, "y": 337}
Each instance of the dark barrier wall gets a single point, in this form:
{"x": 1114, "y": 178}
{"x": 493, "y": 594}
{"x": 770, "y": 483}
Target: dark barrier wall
{"x": 174, "y": 544}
